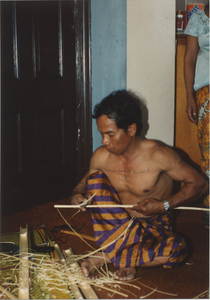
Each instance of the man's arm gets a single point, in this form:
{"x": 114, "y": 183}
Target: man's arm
{"x": 195, "y": 185}
{"x": 79, "y": 193}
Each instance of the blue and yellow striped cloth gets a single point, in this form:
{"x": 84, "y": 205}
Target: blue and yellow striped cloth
{"x": 145, "y": 239}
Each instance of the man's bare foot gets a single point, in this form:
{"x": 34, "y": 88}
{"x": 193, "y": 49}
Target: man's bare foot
{"x": 125, "y": 273}
{"x": 90, "y": 265}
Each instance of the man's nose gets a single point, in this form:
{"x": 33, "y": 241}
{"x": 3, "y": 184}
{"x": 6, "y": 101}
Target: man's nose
{"x": 105, "y": 141}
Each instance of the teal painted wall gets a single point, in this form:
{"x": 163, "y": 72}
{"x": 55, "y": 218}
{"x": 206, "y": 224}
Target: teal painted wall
{"x": 109, "y": 40}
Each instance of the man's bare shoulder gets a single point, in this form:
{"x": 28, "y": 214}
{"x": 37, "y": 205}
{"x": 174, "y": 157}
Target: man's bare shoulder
{"x": 98, "y": 158}
{"x": 163, "y": 155}
{"x": 101, "y": 152}
{"x": 160, "y": 152}
{"x": 153, "y": 146}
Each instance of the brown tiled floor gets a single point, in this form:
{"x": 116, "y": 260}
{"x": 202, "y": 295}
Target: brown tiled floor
{"x": 187, "y": 281}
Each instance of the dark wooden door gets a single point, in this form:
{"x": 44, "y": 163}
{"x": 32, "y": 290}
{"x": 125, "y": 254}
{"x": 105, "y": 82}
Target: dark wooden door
{"x": 39, "y": 102}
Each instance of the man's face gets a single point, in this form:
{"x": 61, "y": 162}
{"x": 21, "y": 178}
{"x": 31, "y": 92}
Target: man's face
{"x": 115, "y": 140}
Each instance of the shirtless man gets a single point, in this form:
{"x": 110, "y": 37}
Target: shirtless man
{"x": 141, "y": 171}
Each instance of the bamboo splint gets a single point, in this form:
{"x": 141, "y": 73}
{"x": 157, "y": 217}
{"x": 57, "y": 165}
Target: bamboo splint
{"x": 60, "y": 254}
{"x": 7, "y": 293}
{"x": 192, "y": 208}
{"x": 126, "y": 206}
{"x": 24, "y": 265}
{"x": 93, "y": 206}
{"x": 84, "y": 236}
{"x": 85, "y": 287}
{"x": 72, "y": 284}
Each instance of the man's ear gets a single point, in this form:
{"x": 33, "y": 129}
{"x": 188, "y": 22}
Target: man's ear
{"x": 132, "y": 129}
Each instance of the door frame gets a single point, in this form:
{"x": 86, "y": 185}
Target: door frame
{"x": 83, "y": 85}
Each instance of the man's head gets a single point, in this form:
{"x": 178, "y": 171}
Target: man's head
{"x": 123, "y": 108}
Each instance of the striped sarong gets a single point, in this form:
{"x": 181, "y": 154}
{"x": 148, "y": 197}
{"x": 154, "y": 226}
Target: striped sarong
{"x": 202, "y": 100}
{"x": 126, "y": 243}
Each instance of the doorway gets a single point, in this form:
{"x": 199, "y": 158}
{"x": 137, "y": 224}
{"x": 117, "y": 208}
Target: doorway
{"x": 46, "y": 107}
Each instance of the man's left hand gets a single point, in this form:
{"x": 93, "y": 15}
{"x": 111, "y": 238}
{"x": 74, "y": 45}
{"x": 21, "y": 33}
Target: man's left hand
{"x": 149, "y": 206}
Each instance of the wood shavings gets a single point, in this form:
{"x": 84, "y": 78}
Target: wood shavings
{"x": 143, "y": 297}
{"x": 55, "y": 276}
{"x": 161, "y": 292}
{"x": 73, "y": 228}
{"x": 47, "y": 274}
{"x": 5, "y": 292}
{"x": 203, "y": 295}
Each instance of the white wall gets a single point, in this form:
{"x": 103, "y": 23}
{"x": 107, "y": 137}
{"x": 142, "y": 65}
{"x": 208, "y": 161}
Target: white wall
{"x": 151, "y": 62}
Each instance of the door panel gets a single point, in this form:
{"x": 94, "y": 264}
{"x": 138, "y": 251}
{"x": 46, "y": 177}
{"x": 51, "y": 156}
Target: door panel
{"x": 39, "y": 102}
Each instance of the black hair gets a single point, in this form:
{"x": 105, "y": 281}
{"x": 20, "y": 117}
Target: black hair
{"x": 123, "y": 107}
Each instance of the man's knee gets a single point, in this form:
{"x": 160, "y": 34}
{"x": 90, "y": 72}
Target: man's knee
{"x": 177, "y": 256}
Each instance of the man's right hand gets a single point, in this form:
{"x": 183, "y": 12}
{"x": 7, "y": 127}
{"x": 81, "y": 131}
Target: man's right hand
{"x": 78, "y": 199}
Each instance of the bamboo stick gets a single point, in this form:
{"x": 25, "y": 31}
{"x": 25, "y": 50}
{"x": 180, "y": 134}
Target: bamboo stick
{"x": 84, "y": 236}
{"x": 72, "y": 284}
{"x": 7, "y": 293}
{"x": 85, "y": 287}
{"x": 24, "y": 266}
{"x": 60, "y": 254}
{"x": 192, "y": 208}
{"x": 93, "y": 206}
{"x": 125, "y": 206}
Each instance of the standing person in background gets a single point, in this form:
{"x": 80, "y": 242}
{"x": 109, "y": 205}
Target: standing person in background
{"x": 196, "y": 72}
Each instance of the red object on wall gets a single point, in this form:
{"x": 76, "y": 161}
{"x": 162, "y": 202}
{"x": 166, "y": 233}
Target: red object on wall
{"x": 179, "y": 22}
{"x": 184, "y": 13}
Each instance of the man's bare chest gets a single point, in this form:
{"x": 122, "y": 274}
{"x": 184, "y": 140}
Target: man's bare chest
{"x": 134, "y": 180}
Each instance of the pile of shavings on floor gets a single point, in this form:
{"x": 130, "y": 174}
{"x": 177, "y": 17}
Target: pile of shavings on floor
{"x": 45, "y": 280}
{"x": 59, "y": 276}
{"x": 53, "y": 280}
